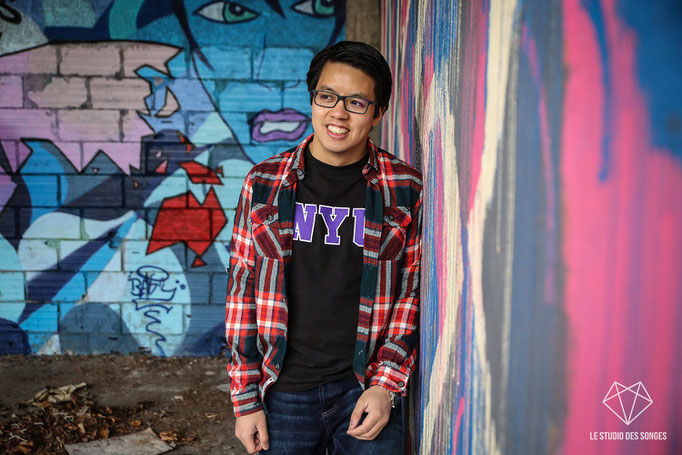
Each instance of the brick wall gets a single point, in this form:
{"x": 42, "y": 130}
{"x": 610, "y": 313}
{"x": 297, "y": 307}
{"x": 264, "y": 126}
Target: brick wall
{"x": 124, "y": 144}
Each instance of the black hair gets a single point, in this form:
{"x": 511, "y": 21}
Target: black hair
{"x": 360, "y": 56}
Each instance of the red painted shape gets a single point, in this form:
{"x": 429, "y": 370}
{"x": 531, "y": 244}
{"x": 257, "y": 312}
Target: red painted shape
{"x": 184, "y": 140}
{"x": 198, "y": 262}
{"x": 162, "y": 168}
{"x": 198, "y": 173}
{"x": 182, "y": 219}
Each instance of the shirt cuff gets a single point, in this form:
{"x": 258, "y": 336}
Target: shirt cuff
{"x": 246, "y": 402}
{"x": 391, "y": 379}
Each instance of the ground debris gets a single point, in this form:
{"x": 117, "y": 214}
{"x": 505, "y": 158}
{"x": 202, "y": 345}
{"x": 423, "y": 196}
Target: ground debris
{"x": 62, "y": 416}
{"x": 124, "y": 395}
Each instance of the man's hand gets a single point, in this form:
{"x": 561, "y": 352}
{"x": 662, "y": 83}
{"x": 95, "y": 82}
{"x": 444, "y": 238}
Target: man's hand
{"x": 376, "y": 402}
{"x": 252, "y": 431}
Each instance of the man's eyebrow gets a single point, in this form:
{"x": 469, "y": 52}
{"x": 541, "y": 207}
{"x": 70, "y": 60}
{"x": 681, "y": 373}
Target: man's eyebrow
{"x": 358, "y": 94}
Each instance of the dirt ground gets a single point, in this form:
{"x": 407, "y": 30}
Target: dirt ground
{"x": 175, "y": 397}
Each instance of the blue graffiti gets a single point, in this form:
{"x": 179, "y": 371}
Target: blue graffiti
{"x": 149, "y": 285}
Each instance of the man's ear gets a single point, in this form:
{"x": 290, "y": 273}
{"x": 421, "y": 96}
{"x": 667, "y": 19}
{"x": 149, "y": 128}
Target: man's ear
{"x": 377, "y": 119}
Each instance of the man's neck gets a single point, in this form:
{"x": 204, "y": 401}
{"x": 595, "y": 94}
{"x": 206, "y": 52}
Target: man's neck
{"x": 337, "y": 158}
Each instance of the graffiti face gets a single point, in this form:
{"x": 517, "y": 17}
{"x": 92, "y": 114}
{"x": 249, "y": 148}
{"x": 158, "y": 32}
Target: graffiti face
{"x": 341, "y": 136}
{"x": 270, "y": 104}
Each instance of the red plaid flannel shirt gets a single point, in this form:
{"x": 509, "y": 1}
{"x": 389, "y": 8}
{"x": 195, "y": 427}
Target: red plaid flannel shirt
{"x": 260, "y": 253}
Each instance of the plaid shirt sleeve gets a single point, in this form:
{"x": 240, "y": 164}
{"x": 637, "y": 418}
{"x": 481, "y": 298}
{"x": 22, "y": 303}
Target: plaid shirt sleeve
{"x": 397, "y": 355}
{"x": 240, "y": 320}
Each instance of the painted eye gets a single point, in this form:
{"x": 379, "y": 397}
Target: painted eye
{"x": 316, "y": 8}
{"x": 226, "y": 12}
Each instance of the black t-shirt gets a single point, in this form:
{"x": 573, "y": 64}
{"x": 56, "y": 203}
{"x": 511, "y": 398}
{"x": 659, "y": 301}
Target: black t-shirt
{"x": 323, "y": 292}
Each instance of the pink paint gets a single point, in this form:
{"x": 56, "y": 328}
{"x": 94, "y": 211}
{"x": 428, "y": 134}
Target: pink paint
{"x": 458, "y": 423}
{"x": 622, "y": 244}
{"x": 477, "y": 86}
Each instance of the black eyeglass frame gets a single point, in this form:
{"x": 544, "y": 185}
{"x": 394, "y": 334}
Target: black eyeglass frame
{"x": 340, "y": 98}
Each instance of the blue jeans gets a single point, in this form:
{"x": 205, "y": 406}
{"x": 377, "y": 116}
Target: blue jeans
{"x": 316, "y": 420}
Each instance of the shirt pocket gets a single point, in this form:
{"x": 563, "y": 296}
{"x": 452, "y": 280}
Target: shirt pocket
{"x": 265, "y": 230}
{"x": 394, "y": 232}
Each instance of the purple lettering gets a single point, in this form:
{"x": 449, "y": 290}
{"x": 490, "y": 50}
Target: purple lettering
{"x": 359, "y": 227}
{"x": 333, "y": 217}
{"x": 304, "y": 222}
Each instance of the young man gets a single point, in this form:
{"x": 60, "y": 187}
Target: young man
{"x": 323, "y": 290}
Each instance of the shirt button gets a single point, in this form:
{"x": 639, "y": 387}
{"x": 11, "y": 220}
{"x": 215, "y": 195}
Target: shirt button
{"x": 277, "y": 365}
{"x": 270, "y": 217}
{"x": 390, "y": 217}
{"x": 401, "y": 384}
{"x": 299, "y": 173}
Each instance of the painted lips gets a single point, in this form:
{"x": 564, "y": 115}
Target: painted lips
{"x": 283, "y": 125}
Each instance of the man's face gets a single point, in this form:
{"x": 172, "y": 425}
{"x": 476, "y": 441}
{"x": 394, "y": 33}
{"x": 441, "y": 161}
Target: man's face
{"x": 341, "y": 136}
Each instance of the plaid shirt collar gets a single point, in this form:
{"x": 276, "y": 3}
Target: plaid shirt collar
{"x": 295, "y": 168}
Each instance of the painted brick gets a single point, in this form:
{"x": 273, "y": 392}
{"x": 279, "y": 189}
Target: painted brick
{"x": 205, "y": 317}
{"x": 10, "y": 148}
{"x": 59, "y": 225}
{"x": 55, "y": 286}
{"x": 92, "y": 318}
{"x": 228, "y": 192}
{"x": 219, "y": 288}
{"x": 171, "y": 288}
{"x": 138, "y": 317}
{"x": 297, "y": 96}
{"x": 172, "y": 345}
{"x": 20, "y": 123}
{"x": 105, "y": 191}
{"x": 89, "y": 125}
{"x": 93, "y": 219}
{"x": 11, "y": 286}
{"x": 149, "y": 54}
{"x": 99, "y": 59}
{"x": 199, "y": 287}
{"x": 43, "y": 190}
{"x": 134, "y": 257}
{"x": 89, "y": 256}
{"x": 12, "y": 91}
{"x": 13, "y": 340}
{"x": 37, "y": 255}
{"x": 74, "y": 343}
{"x": 152, "y": 191}
{"x": 133, "y": 127}
{"x": 208, "y": 129}
{"x": 282, "y": 64}
{"x": 104, "y": 287}
{"x": 117, "y": 344}
{"x": 109, "y": 93}
{"x": 249, "y": 96}
{"x": 41, "y": 60}
{"x": 229, "y": 62}
{"x": 8, "y": 224}
{"x": 58, "y": 92}
{"x": 123, "y": 156}
{"x": 44, "y": 319}
{"x": 192, "y": 94}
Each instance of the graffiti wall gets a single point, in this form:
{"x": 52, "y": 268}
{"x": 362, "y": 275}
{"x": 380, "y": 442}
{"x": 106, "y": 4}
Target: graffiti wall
{"x": 126, "y": 130}
{"x": 550, "y": 137}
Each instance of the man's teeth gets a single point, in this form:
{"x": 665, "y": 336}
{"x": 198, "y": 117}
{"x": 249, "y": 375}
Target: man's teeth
{"x": 337, "y": 130}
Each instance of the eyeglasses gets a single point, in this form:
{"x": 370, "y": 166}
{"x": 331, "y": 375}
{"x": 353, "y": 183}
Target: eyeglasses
{"x": 353, "y": 104}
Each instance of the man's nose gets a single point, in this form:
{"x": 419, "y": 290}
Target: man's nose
{"x": 339, "y": 110}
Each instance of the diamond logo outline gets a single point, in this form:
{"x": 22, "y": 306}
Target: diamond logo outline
{"x": 615, "y": 396}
